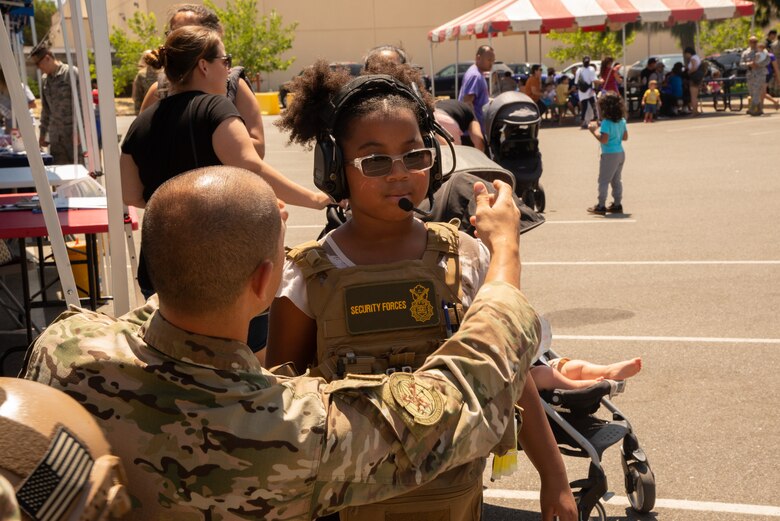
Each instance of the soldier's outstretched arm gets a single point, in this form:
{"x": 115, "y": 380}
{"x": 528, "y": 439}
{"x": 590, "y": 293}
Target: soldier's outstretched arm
{"x": 389, "y": 434}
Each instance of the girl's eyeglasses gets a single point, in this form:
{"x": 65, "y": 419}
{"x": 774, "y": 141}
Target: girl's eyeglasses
{"x": 378, "y": 165}
{"x": 227, "y": 60}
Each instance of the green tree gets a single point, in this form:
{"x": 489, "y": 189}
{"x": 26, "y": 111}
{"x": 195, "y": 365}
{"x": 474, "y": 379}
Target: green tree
{"x": 592, "y": 43}
{"x": 128, "y": 48}
{"x": 718, "y": 36}
{"x": 44, "y": 10}
{"x": 256, "y": 42}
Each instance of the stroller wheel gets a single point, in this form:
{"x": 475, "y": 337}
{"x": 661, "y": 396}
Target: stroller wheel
{"x": 598, "y": 513}
{"x": 529, "y": 198}
{"x": 640, "y": 486}
{"x": 540, "y": 198}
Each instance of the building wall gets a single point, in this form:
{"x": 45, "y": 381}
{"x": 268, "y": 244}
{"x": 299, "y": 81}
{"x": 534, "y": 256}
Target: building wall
{"x": 343, "y": 30}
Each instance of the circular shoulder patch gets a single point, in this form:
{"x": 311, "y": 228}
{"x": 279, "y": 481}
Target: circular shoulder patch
{"x": 424, "y": 404}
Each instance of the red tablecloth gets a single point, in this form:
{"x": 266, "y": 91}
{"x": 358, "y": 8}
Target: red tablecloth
{"x": 27, "y": 223}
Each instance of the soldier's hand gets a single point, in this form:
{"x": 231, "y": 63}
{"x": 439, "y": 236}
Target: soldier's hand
{"x": 497, "y": 218}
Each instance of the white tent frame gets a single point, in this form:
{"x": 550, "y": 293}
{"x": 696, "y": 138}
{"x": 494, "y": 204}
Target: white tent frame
{"x": 98, "y": 21}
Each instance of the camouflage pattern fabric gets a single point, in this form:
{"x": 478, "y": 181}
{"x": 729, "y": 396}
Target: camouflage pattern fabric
{"x": 205, "y": 433}
{"x": 57, "y": 113}
{"x": 145, "y": 78}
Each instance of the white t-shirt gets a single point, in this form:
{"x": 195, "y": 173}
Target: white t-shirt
{"x": 588, "y": 75}
{"x": 293, "y": 285}
{"x": 694, "y": 63}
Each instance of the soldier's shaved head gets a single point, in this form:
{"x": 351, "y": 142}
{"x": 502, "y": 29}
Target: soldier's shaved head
{"x": 205, "y": 232}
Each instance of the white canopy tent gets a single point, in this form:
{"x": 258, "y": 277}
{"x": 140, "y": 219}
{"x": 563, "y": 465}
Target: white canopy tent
{"x": 12, "y": 64}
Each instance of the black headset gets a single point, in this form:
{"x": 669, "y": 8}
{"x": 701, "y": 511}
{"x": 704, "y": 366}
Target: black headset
{"x": 329, "y": 175}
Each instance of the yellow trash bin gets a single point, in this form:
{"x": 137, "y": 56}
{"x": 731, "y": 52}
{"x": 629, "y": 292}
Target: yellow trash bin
{"x": 77, "y": 251}
{"x": 268, "y": 102}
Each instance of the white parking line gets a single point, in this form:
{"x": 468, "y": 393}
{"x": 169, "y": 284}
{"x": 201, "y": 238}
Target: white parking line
{"x": 674, "y": 504}
{"x": 654, "y": 263}
{"x": 719, "y": 124}
{"x": 696, "y": 339}
{"x": 592, "y": 221}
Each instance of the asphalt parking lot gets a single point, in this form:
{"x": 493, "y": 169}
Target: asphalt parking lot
{"x": 688, "y": 279}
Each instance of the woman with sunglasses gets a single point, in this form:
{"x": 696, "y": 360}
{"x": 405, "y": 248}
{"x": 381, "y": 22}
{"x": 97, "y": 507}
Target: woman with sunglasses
{"x": 381, "y": 292}
{"x": 195, "y": 126}
{"x": 239, "y": 90}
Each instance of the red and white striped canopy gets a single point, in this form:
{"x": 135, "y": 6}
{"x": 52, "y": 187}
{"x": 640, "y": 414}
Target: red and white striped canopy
{"x": 520, "y": 16}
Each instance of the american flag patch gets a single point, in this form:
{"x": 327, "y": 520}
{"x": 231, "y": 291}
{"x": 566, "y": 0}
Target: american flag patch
{"x": 47, "y": 493}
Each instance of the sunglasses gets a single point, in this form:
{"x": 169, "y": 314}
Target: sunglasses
{"x": 378, "y": 165}
{"x": 227, "y": 59}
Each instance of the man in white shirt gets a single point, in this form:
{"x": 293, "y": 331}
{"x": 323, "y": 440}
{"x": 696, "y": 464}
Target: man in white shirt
{"x": 584, "y": 79}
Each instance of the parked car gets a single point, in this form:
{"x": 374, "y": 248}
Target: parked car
{"x": 633, "y": 75}
{"x": 571, "y": 70}
{"x": 444, "y": 79}
{"x": 728, "y": 62}
{"x": 523, "y": 70}
{"x": 353, "y": 68}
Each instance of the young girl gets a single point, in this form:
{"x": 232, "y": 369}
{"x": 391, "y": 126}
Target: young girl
{"x": 611, "y": 136}
{"x": 380, "y": 292}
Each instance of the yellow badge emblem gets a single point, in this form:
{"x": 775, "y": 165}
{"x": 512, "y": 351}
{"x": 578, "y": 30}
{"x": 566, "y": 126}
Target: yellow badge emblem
{"x": 421, "y": 308}
{"x": 424, "y": 404}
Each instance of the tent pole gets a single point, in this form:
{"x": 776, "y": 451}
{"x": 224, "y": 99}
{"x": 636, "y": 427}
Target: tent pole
{"x": 77, "y": 121}
{"x": 540, "y": 47}
{"x": 88, "y": 114}
{"x": 116, "y": 209}
{"x": 525, "y": 42}
{"x": 433, "y": 85}
{"x": 457, "y": 66}
{"x": 46, "y": 199}
{"x": 625, "y": 68}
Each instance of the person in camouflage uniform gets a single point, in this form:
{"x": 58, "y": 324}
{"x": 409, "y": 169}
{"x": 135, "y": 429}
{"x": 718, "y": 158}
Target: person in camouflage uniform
{"x": 206, "y": 433}
{"x": 56, "y": 106}
{"x": 146, "y": 77}
{"x": 755, "y": 63}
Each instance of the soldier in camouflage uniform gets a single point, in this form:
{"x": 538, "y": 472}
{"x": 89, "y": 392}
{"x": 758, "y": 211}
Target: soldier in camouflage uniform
{"x": 206, "y": 433}
{"x": 57, "y": 106}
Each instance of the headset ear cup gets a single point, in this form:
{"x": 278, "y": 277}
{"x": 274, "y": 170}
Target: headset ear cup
{"x": 329, "y": 169}
{"x": 435, "y": 179}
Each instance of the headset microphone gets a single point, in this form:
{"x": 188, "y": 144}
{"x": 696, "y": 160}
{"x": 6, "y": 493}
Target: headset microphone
{"x": 407, "y": 206}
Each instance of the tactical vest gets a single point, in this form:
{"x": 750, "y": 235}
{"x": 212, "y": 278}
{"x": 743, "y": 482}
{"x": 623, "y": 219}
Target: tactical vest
{"x": 385, "y": 317}
{"x": 389, "y": 317}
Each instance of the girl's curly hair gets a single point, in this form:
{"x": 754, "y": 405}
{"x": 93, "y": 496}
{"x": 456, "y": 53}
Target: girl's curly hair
{"x": 318, "y": 85}
{"x": 611, "y": 106}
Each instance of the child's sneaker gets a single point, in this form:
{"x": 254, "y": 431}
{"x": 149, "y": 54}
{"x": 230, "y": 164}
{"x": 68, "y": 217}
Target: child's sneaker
{"x": 615, "y": 208}
{"x": 598, "y": 210}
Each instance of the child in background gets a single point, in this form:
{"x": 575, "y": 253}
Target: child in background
{"x": 611, "y": 136}
{"x": 563, "y": 103}
{"x": 651, "y": 101}
{"x": 548, "y": 96}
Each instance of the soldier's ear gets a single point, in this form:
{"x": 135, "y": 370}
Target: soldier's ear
{"x": 260, "y": 282}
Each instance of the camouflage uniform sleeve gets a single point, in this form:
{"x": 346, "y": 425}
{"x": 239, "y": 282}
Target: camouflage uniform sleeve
{"x": 44, "y": 109}
{"x": 387, "y": 435}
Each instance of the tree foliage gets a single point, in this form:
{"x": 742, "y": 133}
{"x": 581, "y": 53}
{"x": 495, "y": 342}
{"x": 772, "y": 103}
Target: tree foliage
{"x": 128, "y": 48}
{"x": 44, "y": 10}
{"x": 717, "y": 36}
{"x": 256, "y": 42}
{"x": 594, "y": 44}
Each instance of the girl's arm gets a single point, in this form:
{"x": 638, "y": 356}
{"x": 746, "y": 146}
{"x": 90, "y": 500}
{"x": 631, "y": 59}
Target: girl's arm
{"x": 247, "y": 106}
{"x": 601, "y": 137}
{"x": 625, "y": 135}
{"x": 132, "y": 187}
{"x": 150, "y": 98}
{"x": 233, "y": 147}
{"x": 292, "y": 336}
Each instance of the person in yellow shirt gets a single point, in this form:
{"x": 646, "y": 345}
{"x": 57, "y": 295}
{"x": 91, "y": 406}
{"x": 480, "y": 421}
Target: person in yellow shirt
{"x": 651, "y": 101}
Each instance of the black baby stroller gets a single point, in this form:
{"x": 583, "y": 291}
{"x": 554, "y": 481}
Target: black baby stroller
{"x": 511, "y": 132}
{"x": 581, "y": 434}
